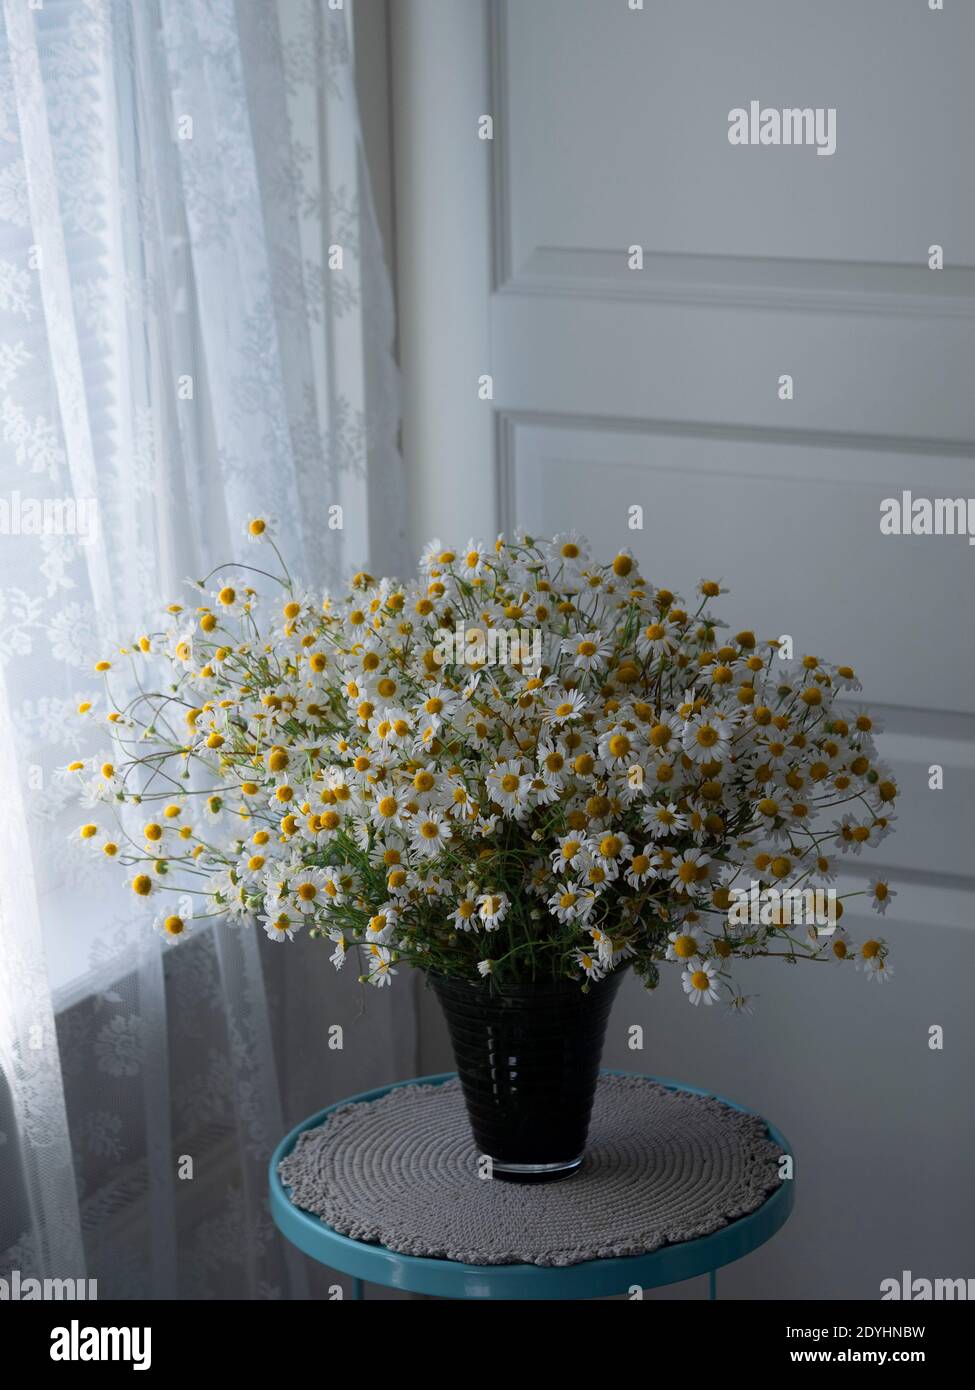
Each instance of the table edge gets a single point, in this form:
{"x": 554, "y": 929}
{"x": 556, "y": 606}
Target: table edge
{"x": 589, "y": 1279}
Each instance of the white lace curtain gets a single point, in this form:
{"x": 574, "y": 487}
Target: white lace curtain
{"x": 196, "y": 325}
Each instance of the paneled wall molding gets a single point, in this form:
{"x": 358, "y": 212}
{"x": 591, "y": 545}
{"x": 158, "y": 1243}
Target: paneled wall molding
{"x": 764, "y": 502}
{"x": 760, "y": 282}
{"x": 758, "y": 434}
{"x": 791, "y": 285}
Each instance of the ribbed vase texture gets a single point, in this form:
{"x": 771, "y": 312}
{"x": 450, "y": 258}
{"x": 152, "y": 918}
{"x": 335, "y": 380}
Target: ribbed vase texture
{"x": 528, "y": 1060}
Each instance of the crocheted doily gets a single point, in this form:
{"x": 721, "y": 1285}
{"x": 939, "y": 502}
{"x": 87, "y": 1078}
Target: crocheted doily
{"x": 661, "y": 1166}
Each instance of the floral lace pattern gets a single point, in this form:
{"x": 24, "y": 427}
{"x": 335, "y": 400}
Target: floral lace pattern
{"x": 197, "y": 324}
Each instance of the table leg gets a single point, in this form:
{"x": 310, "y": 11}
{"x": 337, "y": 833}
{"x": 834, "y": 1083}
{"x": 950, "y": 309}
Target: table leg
{"x": 713, "y": 1284}
{"x": 357, "y": 1288}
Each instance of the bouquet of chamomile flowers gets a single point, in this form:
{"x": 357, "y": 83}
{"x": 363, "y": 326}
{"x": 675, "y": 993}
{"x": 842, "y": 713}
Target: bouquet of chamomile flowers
{"x": 525, "y": 763}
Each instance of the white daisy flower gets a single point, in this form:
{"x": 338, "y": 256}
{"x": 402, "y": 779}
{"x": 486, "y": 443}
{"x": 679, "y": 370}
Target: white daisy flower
{"x": 142, "y": 884}
{"x": 590, "y": 965}
{"x": 473, "y": 561}
{"x": 777, "y": 751}
{"x": 259, "y": 528}
{"x": 430, "y": 833}
{"x": 437, "y": 708}
{"x": 699, "y": 983}
{"x": 881, "y": 895}
{"x": 231, "y": 597}
{"x": 173, "y": 926}
{"x": 214, "y": 808}
{"x": 280, "y": 925}
{"x": 456, "y": 801}
{"x": 690, "y": 873}
{"x": 484, "y": 967}
{"x": 251, "y": 870}
{"x": 572, "y": 853}
{"x": 610, "y": 851}
{"x": 706, "y": 739}
{"x": 685, "y": 944}
{"x": 711, "y": 588}
{"x": 640, "y": 868}
{"x": 588, "y": 650}
{"x": 880, "y": 830}
{"x": 571, "y": 903}
{"x": 871, "y": 954}
{"x": 305, "y": 889}
{"x": 492, "y": 908}
{"x": 618, "y": 748}
{"x": 508, "y": 786}
{"x": 565, "y": 707}
{"x": 569, "y": 549}
{"x": 387, "y": 811}
{"x": 864, "y": 723}
{"x": 380, "y": 965}
{"x": 337, "y": 958}
{"x": 879, "y": 970}
{"x": 465, "y": 915}
{"x": 663, "y": 820}
{"x": 435, "y": 555}
{"x": 553, "y": 764}
{"x": 610, "y": 951}
{"x": 664, "y": 733}
{"x": 394, "y": 729}
{"x": 850, "y": 836}
{"x": 382, "y": 924}
{"x": 657, "y": 638}
{"x": 337, "y": 884}
{"x": 839, "y": 948}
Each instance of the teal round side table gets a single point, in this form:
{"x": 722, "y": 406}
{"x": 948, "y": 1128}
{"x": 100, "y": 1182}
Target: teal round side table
{"x": 592, "y": 1279}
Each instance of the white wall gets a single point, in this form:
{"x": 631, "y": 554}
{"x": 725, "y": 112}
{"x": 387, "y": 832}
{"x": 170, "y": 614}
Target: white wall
{"x": 615, "y": 387}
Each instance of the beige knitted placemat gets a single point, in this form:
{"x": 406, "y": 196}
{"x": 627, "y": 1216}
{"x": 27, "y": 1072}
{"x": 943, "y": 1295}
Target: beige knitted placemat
{"x": 661, "y": 1166}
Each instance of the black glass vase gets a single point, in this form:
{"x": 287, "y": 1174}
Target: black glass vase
{"x": 528, "y": 1060}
